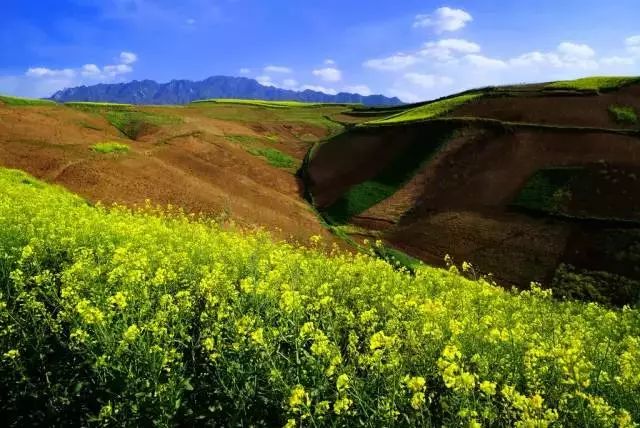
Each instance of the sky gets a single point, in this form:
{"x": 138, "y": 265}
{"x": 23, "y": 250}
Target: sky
{"x": 415, "y": 50}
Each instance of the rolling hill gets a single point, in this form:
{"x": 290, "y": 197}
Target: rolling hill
{"x": 159, "y": 265}
{"x": 528, "y": 183}
{"x": 186, "y": 91}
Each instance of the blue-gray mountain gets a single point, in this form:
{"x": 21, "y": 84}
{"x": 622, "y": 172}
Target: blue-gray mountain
{"x": 185, "y": 91}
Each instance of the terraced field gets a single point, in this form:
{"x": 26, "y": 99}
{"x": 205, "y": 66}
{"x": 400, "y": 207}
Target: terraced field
{"x": 464, "y": 176}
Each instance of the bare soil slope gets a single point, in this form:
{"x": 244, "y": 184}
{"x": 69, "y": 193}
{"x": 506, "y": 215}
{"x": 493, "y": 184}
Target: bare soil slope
{"x": 461, "y": 200}
{"x": 199, "y": 162}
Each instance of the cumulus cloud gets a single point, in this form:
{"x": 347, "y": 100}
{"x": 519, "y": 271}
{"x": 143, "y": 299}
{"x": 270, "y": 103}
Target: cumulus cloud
{"x": 318, "y": 88}
{"x": 566, "y": 55}
{"x": 290, "y": 83}
{"x": 617, "y": 61}
{"x": 575, "y": 51}
{"x": 265, "y": 80}
{"x": 427, "y": 80}
{"x": 328, "y": 74}
{"x": 446, "y": 49}
{"x": 277, "y": 69}
{"x": 363, "y": 90}
{"x": 43, "y": 72}
{"x": 633, "y": 44}
{"x": 484, "y": 62}
{"x": 128, "y": 58}
{"x": 444, "y": 19}
{"x": 88, "y": 73}
{"x": 395, "y": 62}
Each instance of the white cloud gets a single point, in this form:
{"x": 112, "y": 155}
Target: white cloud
{"x": 90, "y": 70}
{"x": 328, "y": 74}
{"x": 617, "y": 61}
{"x": 484, "y": 62}
{"x": 427, "y": 80}
{"x": 536, "y": 58}
{"x": 446, "y": 49}
{"x": 567, "y": 55}
{"x": 363, "y": 90}
{"x": 633, "y": 44}
{"x": 265, "y": 80}
{"x": 245, "y": 70}
{"x": 277, "y": 69}
{"x": 575, "y": 52}
{"x": 116, "y": 70}
{"x": 128, "y": 57}
{"x": 290, "y": 83}
{"x": 444, "y": 19}
{"x": 329, "y": 61}
{"x": 43, "y": 72}
{"x": 43, "y": 81}
{"x": 317, "y": 88}
{"x": 395, "y": 62}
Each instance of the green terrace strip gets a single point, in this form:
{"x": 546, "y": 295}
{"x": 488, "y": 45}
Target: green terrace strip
{"x": 274, "y": 157}
{"x": 272, "y": 104}
{"x": 96, "y": 106}
{"x": 132, "y": 318}
{"x": 366, "y": 194}
{"x": 547, "y": 190}
{"x": 625, "y": 115}
{"x": 425, "y": 112}
{"x": 596, "y": 83}
{"x": 110, "y": 147}
{"x": 19, "y": 101}
{"x": 130, "y": 121}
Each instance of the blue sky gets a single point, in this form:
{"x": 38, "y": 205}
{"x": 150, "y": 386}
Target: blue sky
{"x": 411, "y": 49}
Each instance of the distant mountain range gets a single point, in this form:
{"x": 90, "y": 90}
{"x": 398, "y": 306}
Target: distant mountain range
{"x": 185, "y": 91}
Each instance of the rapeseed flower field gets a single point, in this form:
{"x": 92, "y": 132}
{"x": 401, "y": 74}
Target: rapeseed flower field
{"x": 119, "y": 317}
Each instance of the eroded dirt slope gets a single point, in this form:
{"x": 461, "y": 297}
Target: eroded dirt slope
{"x": 199, "y": 162}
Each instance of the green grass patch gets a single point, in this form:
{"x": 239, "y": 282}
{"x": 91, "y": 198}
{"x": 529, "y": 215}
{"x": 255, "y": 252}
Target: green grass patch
{"x": 366, "y": 194}
{"x": 317, "y": 116}
{"x": 24, "y": 102}
{"x": 425, "y": 112}
{"x": 274, "y": 157}
{"x": 244, "y": 140}
{"x": 94, "y": 107}
{"x": 271, "y": 104}
{"x": 625, "y": 115}
{"x": 110, "y": 147}
{"x": 134, "y": 318}
{"x": 547, "y": 190}
{"x": 131, "y": 123}
{"x": 125, "y": 117}
{"x": 596, "y": 83}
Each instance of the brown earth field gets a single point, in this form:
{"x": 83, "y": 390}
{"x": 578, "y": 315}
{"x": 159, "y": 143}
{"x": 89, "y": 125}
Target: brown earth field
{"x": 459, "y": 201}
{"x": 573, "y": 109}
{"x": 199, "y": 160}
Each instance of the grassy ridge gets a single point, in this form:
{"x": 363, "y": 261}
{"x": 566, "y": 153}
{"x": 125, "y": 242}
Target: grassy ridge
{"x": 20, "y": 101}
{"x": 135, "y": 318}
{"x": 425, "y": 112}
{"x": 271, "y": 104}
{"x": 595, "y": 83}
